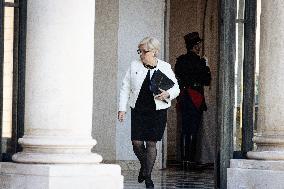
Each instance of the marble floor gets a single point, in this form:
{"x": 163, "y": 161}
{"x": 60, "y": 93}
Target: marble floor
{"x": 174, "y": 177}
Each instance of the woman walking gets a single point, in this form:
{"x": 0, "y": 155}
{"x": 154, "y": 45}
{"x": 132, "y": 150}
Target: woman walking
{"x": 148, "y": 111}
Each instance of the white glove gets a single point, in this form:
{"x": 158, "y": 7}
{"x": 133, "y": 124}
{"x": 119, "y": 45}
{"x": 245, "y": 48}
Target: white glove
{"x": 206, "y": 60}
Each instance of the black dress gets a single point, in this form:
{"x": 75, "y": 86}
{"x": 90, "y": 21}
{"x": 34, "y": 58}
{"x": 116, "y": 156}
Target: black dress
{"x": 147, "y": 123}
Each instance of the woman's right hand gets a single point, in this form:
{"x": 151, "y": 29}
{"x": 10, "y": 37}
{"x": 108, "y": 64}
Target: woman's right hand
{"x": 121, "y": 116}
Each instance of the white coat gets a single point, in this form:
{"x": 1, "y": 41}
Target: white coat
{"x": 133, "y": 81}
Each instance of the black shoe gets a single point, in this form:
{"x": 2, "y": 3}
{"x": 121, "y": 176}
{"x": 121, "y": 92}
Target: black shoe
{"x": 149, "y": 183}
{"x": 141, "y": 177}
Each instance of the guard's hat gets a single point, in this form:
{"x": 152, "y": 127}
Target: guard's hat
{"x": 192, "y": 38}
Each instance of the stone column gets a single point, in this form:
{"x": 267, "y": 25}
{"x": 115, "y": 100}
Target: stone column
{"x": 265, "y": 167}
{"x": 58, "y": 103}
{"x": 270, "y": 128}
{"x": 59, "y": 83}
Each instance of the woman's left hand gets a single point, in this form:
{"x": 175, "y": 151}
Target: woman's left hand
{"x": 162, "y": 96}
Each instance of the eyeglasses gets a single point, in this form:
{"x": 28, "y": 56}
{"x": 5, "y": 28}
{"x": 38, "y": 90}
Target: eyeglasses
{"x": 142, "y": 51}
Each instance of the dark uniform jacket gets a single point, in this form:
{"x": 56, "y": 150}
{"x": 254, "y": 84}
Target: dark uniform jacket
{"x": 191, "y": 71}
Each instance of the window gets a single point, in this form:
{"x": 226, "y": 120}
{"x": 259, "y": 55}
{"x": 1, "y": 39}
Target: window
{"x": 237, "y": 132}
{"x": 246, "y": 76}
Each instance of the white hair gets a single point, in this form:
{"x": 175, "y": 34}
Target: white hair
{"x": 151, "y": 44}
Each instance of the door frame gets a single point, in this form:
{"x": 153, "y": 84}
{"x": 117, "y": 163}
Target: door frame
{"x": 1, "y": 68}
{"x": 19, "y": 58}
{"x": 225, "y": 90}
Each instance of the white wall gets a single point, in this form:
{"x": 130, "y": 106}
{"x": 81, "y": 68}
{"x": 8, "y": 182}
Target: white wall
{"x": 120, "y": 26}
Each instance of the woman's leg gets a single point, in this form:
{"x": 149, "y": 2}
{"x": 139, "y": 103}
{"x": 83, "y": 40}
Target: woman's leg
{"x": 151, "y": 154}
{"x": 140, "y": 152}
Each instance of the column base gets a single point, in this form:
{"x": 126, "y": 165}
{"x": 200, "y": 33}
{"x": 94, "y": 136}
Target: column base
{"x": 244, "y": 174}
{"x": 266, "y": 155}
{"x": 46, "y": 176}
{"x": 89, "y": 158}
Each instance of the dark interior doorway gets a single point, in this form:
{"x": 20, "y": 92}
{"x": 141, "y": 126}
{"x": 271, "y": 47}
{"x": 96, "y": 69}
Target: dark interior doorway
{"x": 229, "y": 32}
{"x": 185, "y": 17}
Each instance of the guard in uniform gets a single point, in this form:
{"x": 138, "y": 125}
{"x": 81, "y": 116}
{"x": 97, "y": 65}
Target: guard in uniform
{"x": 193, "y": 73}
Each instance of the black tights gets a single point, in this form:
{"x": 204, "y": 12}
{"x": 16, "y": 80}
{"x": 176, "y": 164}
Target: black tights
{"x": 146, "y": 156}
